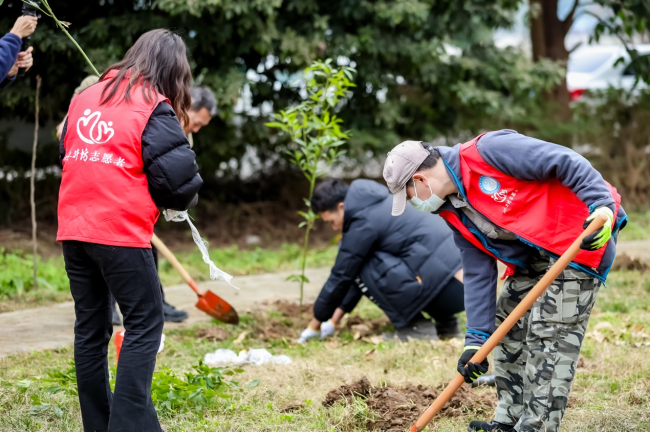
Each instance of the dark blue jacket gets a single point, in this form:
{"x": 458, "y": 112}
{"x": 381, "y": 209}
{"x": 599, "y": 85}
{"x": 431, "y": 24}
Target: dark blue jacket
{"x": 524, "y": 158}
{"x": 9, "y": 48}
{"x": 388, "y": 253}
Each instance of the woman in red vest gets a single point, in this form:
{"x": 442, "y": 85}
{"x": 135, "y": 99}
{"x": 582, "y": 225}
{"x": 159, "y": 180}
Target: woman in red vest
{"x": 124, "y": 154}
{"x": 521, "y": 201}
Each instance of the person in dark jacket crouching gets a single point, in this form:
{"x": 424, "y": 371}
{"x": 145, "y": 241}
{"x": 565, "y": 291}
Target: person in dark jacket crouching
{"x": 124, "y": 153}
{"x": 405, "y": 266}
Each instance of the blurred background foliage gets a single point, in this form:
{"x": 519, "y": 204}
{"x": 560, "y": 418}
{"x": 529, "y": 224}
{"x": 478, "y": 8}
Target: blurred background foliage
{"x": 427, "y": 69}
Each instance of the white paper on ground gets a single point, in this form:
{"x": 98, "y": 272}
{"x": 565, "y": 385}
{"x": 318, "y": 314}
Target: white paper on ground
{"x": 255, "y": 357}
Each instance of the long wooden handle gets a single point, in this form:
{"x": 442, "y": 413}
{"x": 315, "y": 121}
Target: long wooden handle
{"x": 155, "y": 240}
{"x": 523, "y": 306}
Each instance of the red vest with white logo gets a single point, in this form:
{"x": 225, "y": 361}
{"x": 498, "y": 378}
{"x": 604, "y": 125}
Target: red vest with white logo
{"x": 104, "y": 196}
{"x": 544, "y": 213}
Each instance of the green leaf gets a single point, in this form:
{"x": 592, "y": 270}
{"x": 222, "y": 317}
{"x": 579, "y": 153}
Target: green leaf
{"x": 253, "y": 384}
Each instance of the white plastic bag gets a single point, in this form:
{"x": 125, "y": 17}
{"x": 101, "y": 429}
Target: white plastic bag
{"x": 255, "y": 357}
{"x": 215, "y": 272}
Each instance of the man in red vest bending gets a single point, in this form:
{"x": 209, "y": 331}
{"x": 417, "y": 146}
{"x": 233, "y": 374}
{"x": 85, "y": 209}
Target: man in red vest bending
{"x": 521, "y": 201}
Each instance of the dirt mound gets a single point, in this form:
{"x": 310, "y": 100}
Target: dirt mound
{"x": 625, "y": 262}
{"x": 359, "y": 388}
{"x": 292, "y": 310}
{"x": 397, "y": 408}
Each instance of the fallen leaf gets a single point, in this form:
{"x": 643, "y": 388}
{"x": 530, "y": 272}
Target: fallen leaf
{"x": 596, "y": 335}
{"x": 375, "y": 340}
{"x": 331, "y": 344}
{"x": 640, "y": 335}
{"x": 369, "y": 355}
{"x": 356, "y": 336}
{"x": 602, "y": 325}
{"x": 241, "y": 337}
{"x": 292, "y": 406}
{"x": 362, "y": 330}
{"x": 213, "y": 334}
{"x": 619, "y": 342}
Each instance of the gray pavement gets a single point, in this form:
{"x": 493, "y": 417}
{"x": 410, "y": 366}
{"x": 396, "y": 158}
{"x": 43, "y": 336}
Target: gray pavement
{"x": 52, "y": 326}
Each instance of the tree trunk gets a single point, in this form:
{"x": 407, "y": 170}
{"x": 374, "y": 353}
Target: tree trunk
{"x": 32, "y": 185}
{"x": 547, "y": 34}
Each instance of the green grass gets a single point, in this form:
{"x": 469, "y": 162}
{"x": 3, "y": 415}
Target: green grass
{"x": 239, "y": 262}
{"x": 638, "y": 227}
{"x": 611, "y": 392}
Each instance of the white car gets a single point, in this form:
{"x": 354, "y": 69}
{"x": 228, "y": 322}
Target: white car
{"x": 593, "y": 67}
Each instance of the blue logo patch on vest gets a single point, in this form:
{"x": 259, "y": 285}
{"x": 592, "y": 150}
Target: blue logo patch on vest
{"x": 489, "y": 185}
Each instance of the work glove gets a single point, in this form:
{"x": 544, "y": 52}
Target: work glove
{"x": 473, "y": 370}
{"x": 307, "y": 334}
{"x": 599, "y": 238}
{"x": 327, "y": 329}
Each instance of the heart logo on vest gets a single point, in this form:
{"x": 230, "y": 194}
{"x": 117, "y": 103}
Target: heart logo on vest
{"x": 99, "y": 132}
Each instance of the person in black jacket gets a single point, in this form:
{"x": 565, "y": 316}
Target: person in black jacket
{"x": 405, "y": 266}
{"x": 124, "y": 153}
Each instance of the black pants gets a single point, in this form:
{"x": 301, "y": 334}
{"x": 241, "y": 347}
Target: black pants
{"x": 154, "y": 251}
{"x": 96, "y": 272}
{"x": 450, "y": 301}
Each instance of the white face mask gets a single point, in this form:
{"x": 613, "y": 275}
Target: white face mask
{"x": 430, "y": 205}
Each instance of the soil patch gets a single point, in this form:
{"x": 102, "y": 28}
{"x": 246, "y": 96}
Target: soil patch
{"x": 625, "y": 262}
{"x": 288, "y": 325}
{"x": 397, "y": 408}
{"x": 292, "y": 310}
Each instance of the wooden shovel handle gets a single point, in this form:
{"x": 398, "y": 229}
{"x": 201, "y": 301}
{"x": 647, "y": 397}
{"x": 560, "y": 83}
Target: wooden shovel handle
{"x": 155, "y": 240}
{"x": 523, "y": 306}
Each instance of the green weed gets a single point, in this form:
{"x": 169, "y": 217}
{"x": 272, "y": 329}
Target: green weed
{"x": 638, "y": 227}
{"x": 17, "y": 269}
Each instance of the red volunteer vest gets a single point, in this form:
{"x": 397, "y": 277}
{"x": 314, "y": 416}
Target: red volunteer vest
{"x": 104, "y": 196}
{"x": 544, "y": 213}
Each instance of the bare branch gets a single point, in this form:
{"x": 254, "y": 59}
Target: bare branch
{"x": 568, "y": 21}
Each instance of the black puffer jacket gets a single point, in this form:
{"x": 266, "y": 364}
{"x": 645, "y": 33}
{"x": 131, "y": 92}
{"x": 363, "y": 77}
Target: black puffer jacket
{"x": 389, "y": 254}
{"x": 169, "y": 163}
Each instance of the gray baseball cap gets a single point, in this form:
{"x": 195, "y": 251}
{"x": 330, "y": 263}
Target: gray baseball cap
{"x": 401, "y": 164}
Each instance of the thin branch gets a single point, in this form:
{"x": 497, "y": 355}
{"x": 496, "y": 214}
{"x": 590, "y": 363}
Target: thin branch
{"x": 32, "y": 185}
{"x": 569, "y": 18}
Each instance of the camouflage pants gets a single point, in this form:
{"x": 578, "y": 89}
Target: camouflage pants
{"x": 536, "y": 362}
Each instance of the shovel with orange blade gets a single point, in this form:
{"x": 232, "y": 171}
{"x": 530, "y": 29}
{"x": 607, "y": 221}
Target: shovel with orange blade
{"x": 208, "y": 302}
{"x": 509, "y": 322}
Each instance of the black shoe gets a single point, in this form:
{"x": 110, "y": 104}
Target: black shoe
{"x": 493, "y": 426}
{"x": 116, "y": 318}
{"x": 172, "y": 314}
{"x": 419, "y": 329}
{"x": 449, "y": 329}
{"x": 485, "y": 380}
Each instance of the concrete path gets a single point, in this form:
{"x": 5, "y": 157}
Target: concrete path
{"x": 52, "y": 326}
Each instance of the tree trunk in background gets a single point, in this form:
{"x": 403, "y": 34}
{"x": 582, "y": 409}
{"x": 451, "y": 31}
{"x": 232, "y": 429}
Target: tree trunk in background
{"x": 547, "y": 34}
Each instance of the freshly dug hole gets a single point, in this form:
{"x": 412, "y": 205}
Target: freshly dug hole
{"x": 397, "y": 408}
{"x": 288, "y": 326}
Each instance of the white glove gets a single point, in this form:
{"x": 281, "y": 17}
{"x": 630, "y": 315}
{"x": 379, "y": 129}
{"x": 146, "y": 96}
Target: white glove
{"x": 307, "y": 334}
{"x": 327, "y": 329}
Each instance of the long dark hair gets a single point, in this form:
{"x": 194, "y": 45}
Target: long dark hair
{"x": 157, "y": 61}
